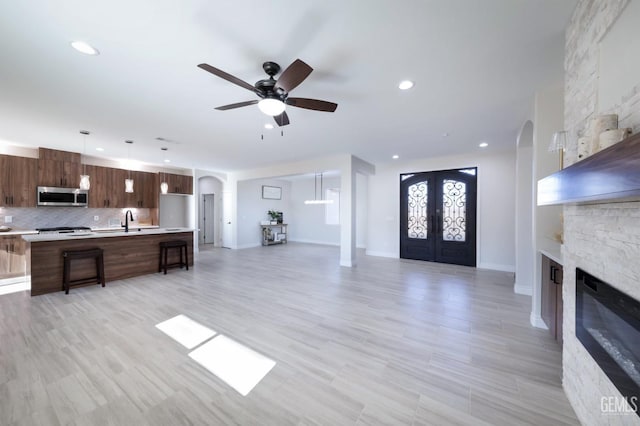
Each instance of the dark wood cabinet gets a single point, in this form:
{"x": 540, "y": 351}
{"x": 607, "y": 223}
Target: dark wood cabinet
{"x": 179, "y": 184}
{"x": 145, "y": 190}
{"x": 58, "y": 168}
{"x": 107, "y": 187}
{"x": 551, "y": 300}
{"x": 17, "y": 181}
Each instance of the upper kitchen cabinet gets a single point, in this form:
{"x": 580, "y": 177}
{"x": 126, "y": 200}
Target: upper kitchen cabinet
{"x": 145, "y": 190}
{"x": 58, "y": 168}
{"x": 179, "y": 184}
{"x": 107, "y": 187}
{"x": 17, "y": 181}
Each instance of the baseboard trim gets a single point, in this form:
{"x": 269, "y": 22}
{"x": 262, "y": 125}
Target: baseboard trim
{"x": 15, "y": 287}
{"x": 536, "y": 321}
{"x": 381, "y": 254}
{"x": 324, "y": 243}
{"x": 246, "y": 246}
{"x": 497, "y": 267}
{"x": 522, "y": 289}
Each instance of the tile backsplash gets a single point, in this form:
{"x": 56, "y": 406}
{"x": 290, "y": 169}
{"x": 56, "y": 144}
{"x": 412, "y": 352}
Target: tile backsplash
{"x": 46, "y": 217}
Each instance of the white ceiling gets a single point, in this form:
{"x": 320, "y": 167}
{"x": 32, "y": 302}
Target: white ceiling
{"x": 476, "y": 65}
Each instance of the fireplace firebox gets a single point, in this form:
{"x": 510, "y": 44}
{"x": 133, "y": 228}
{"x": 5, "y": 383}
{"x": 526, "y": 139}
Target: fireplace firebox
{"x": 608, "y": 325}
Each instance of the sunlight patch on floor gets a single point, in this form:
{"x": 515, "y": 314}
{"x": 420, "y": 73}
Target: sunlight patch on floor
{"x": 237, "y": 365}
{"x": 186, "y": 331}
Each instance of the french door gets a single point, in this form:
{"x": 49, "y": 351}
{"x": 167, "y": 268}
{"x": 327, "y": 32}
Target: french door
{"x": 438, "y": 216}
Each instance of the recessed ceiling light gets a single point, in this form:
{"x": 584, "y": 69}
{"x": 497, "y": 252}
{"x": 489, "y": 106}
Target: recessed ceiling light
{"x": 85, "y": 48}
{"x": 268, "y": 126}
{"x": 483, "y": 145}
{"x": 99, "y": 149}
{"x": 405, "y": 85}
{"x": 445, "y": 134}
{"x": 395, "y": 157}
{"x": 167, "y": 161}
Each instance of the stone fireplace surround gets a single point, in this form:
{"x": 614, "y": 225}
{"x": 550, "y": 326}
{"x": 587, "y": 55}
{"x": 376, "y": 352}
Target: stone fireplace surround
{"x": 603, "y": 238}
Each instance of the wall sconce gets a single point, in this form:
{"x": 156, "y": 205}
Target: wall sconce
{"x": 559, "y": 144}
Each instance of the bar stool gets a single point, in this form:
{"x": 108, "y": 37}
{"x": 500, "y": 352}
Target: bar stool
{"x": 164, "y": 250}
{"x": 90, "y": 253}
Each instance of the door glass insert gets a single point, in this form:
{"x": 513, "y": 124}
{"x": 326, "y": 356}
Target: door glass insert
{"x": 417, "y": 211}
{"x": 454, "y": 210}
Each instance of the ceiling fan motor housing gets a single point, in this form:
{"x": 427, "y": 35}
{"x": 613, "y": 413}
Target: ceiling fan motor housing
{"x": 271, "y": 68}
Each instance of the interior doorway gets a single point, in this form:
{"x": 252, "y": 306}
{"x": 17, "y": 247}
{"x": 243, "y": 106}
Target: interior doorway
{"x": 438, "y": 216}
{"x": 207, "y": 219}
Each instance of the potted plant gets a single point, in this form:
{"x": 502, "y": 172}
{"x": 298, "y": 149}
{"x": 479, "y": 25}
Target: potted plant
{"x": 274, "y": 215}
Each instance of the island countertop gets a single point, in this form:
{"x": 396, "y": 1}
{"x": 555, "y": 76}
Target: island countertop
{"x": 126, "y": 254}
{"x": 103, "y": 233}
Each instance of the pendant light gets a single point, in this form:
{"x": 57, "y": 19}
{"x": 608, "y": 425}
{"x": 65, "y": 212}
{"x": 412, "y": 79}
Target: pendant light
{"x": 84, "y": 177}
{"x": 315, "y": 193}
{"x": 128, "y": 183}
{"x": 164, "y": 186}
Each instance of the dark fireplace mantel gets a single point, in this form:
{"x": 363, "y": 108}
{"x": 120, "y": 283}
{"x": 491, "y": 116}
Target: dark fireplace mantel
{"x": 611, "y": 174}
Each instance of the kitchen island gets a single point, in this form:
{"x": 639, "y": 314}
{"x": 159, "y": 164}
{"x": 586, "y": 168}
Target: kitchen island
{"x": 126, "y": 254}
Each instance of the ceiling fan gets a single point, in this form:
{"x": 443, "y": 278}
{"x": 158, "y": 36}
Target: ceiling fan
{"x": 274, "y": 94}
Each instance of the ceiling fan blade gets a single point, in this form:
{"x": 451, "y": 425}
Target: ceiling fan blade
{"x": 293, "y": 75}
{"x": 219, "y": 73}
{"x": 314, "y": 104}
{"x": 282, "y": 119}
{"x": 237, "y": 105}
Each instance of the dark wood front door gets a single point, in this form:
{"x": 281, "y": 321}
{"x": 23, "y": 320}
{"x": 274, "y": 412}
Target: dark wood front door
{"x": 438, "y": 216}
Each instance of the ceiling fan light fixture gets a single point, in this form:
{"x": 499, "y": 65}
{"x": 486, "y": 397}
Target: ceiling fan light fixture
{"x": 84, "y": 47}
{"x": 271, "y": 106}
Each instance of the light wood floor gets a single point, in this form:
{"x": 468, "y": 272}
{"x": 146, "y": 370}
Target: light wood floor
{"x": 388, "y": 342}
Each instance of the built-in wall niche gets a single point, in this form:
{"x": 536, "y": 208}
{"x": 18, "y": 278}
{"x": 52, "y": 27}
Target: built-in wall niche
{"x": 619, "y": 66}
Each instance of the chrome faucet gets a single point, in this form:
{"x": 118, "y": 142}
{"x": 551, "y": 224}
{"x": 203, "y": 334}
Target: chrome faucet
{"x": 127, "y": 215}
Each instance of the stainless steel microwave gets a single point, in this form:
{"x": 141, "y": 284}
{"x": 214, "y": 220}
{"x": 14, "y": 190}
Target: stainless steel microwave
{"x": 63, "y": 197}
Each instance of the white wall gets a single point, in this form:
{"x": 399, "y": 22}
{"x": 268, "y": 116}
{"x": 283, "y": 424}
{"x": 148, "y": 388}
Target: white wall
{"x": 252, "y": 208}
{"x": 548, "y": 119}
{"x": 525, "y": 249}
{"x": 175, "y": 211}
{"x": 496, "y": 205}
{"x": 362, "y": 215}
{"x": 308, "y": 220}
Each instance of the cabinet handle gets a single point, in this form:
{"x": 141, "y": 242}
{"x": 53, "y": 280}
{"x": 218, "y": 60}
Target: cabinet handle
{"x": 552, "y": 274}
